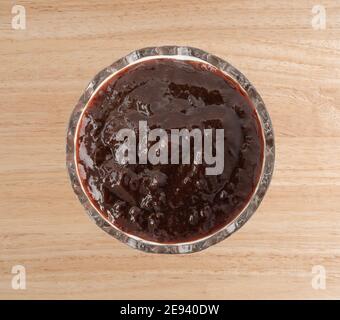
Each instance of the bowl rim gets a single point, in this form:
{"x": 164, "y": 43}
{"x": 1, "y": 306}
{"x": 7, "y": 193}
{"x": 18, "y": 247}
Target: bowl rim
{"x": 182, "y": 53}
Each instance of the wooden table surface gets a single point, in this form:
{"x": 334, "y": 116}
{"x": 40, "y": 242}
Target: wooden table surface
{"x": 43, "y": 227}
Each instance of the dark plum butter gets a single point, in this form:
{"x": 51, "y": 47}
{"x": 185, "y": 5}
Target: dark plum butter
{"x": 167, "y": 202}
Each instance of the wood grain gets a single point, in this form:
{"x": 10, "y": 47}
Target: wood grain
{"x": 45, "y": 68}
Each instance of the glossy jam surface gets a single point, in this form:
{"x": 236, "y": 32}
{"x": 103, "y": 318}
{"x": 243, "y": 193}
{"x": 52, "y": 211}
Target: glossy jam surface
{"x": 169, "y": 203}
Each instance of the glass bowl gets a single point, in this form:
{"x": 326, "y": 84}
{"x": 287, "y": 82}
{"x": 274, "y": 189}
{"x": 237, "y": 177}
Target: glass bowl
{"x": 182, "y": 53}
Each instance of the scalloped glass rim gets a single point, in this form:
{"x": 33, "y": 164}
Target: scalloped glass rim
{"x": 177, "y": 52}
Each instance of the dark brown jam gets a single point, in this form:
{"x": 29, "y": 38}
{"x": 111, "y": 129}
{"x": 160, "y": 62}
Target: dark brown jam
{"x": 169, "y": 203}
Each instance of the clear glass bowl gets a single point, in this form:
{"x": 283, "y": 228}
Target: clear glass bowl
{"x": 183, "y": 53}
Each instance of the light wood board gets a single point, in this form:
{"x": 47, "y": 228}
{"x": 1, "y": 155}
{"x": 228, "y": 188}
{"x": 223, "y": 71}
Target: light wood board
{"x": 43, "y": 71}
